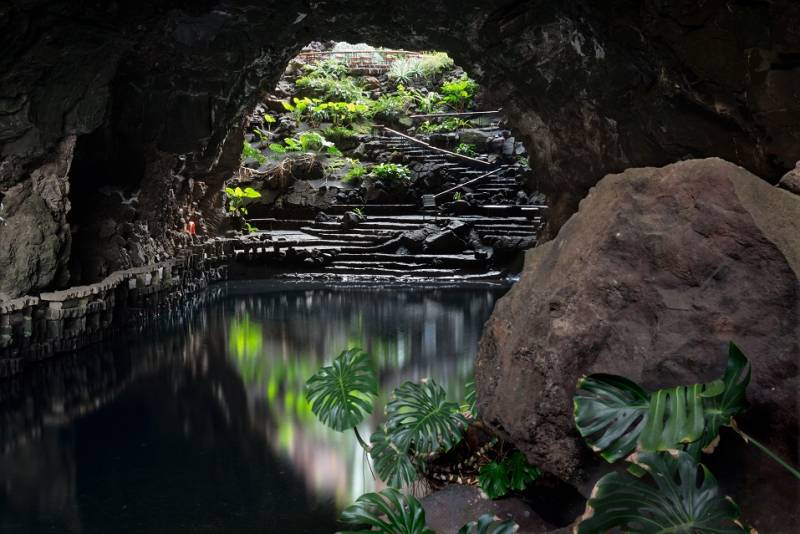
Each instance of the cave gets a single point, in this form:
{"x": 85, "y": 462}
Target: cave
{"x": 627, "y": 206}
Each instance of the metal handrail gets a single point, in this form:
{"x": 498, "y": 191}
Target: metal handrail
{"x": 431, "y": 147}
{"x": 467, "y": 183}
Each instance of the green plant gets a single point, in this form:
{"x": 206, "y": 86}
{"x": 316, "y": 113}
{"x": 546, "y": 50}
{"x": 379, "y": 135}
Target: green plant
{"x": 489, "y": 524}
{"x": 331, "y": 67}
{"x": 249, "y": 151}
{"x": 420, "y": 415}
{"x": 389, "y": 512}
{"x": 341, "y": 394}
{"x": 683, "y": 498}
{"x": 339, "y": 113}
{"x": 450, "y": 124}
{"x": 669, "y": 429}
{"x": 616, "y": 416}
{"x": 466, "y": 150}
{"x": 405, "y": 71}
{"x": 459, "y": 94}
{"x": 432, "y": 64}
{"x": 308, "y": 142}
{"x": 236, "y": 205}
{"x": 355, "y": 174}
{"x": 391, "y": 172}
{"x": 428, "y": 102}
{"x": 358, "y": 211}
{"x": 390, "y": 108}
{"x": 469, "y": 395}
{"x": 330, "y": 88}
{"x": 513, "y": 473}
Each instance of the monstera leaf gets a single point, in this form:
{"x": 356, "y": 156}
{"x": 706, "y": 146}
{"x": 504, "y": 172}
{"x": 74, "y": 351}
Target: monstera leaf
{"x": 520, "y": 472}
{"x": 615, "y": 416}
{"x": 420, "y": 414}
{"x": 489, "y": 524}
{"x": 513, "y": 473}
{"x": 395, "y": 467}
{"x": 341, "y": 394}
{"x": 494, "y": 480}
{"x": 389, "y": 512}
{"x": 682, "y": 497}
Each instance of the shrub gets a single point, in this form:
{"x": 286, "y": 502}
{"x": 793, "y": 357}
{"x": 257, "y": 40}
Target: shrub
{"x": 355, "y": 174}
{"x": 339, "y": 113}
{"x": 459, "y": 93}
{"x": 249, "y": 151}
{"x": 391, "y": 172}
{"x": 434, "y": 63}
{"x": 390, "y": 108}
{"x": 330, "y": 67}
{"x": 466, "y": 149}
{"x": 330, "y": 88}
{"x": 448, "y": 125}
{"x": 405, "y": 71}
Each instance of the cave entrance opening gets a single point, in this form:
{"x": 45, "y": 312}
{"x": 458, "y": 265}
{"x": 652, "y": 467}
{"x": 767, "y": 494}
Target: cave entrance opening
{"x": 361, "y": 150}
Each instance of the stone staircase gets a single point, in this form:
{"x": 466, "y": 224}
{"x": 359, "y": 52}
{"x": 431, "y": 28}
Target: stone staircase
{"x": 494, "y": 228}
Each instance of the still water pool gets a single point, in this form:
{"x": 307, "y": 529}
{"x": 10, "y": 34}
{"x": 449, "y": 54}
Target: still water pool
{"x": 199, "y": 424}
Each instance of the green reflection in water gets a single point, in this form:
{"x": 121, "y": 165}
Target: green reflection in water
{"x": 277, "y": 341}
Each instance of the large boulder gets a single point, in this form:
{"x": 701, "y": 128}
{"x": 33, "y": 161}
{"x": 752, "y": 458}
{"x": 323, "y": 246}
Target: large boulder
{"x": 656, "y": 273}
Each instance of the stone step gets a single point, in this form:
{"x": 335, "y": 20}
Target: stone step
{"x": 396, "y": 265}
{"x": 279, "y": 224}
{"x": 450, "y": 260}
{"x": 373, "y": 209}
{"x": 422, "y": 271}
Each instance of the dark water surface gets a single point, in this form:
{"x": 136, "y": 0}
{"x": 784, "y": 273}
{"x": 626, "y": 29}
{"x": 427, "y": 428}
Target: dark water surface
{"x": 199, "y": 424}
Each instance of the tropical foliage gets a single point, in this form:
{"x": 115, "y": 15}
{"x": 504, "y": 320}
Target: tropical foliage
{"x": 513, "y": 473}
{"x": 466, "y": 150}
{"x": 391, "y": 172}
{"x": 341, "y": 394}
{"x": 459, "y": 94}
{"x": 489, "y": 524}
{"x": 389, "y": 512}
{"x": 669, "y": 429}
{"x": 679, "y": 495}
{"x": 615, "y": 416}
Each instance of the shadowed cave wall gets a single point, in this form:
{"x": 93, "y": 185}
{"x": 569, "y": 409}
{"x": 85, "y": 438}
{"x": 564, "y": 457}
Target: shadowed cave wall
{"x": 130, "y": 113}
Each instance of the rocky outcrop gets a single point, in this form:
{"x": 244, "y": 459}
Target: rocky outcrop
{"x": 659, "y": 269}
{"x": 791, "y": 180}
{"x": 593, "y": 89}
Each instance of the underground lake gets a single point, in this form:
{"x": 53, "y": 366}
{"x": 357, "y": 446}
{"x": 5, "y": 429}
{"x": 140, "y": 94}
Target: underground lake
{"x": 199, "y": 422}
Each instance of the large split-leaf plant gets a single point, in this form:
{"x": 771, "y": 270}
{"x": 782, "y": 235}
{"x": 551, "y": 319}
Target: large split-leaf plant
{"x": 341, "y": 394}
{"x": 662, "y": 433}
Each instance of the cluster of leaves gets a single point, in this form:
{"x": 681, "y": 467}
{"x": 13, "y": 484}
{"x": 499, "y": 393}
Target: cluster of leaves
{"x": 391, "y": 512}
{"x": 426, "y": 67}
{"x": 355, "y": 174}
{"x": 450, "y": 124}
{"x": 341, "y": 134}
{"x": 236, "y": 197}
{"x": 466, "y": 149}
{"x": 390, "y": 108}
{"x": 251, "y": 152}
{"x": 391, "y": 172}
{"x": 307, "y": 142}
{"x": 513, "y": 473}
{"x": 668, "y": 429}
{"x": 420, "y": 421}
{"x": 315, "y": 111}
{"x": 459, "y": 94}
{"x": 329, "y": 80}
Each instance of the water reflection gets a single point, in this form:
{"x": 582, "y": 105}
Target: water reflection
{"x": 203, "y": 425}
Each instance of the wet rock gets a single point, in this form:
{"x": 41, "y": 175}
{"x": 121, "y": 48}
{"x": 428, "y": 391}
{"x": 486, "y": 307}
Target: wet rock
{"x": 479, "y": 138}
{"x": 444, "y": 242}
{"x": 448, "y": 509}
{"x": 350, "y": 219}
{"x": 657, "y": 272}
